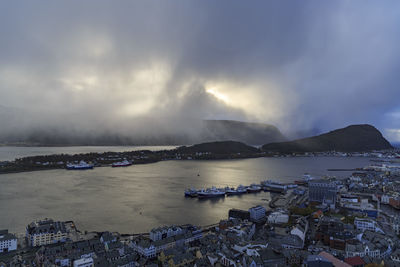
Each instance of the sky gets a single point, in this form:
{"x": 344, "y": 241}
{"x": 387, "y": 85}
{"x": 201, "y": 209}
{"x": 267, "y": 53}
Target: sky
{"x": 298, "y": 65}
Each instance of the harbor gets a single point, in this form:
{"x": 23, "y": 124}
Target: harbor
{"x": 266, "y": 186}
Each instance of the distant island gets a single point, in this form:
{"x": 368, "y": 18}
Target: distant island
{"x": 354, "y": 138}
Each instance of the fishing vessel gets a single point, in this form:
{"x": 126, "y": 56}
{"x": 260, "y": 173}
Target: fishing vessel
{"x": 82, "y": 165}
{"x": 210, "y": 193}
{"x": 253, "y": 188}
{"x": 124, "y": 163}
{"x": 238, "y": 191}
{"x": 191, "y": 192}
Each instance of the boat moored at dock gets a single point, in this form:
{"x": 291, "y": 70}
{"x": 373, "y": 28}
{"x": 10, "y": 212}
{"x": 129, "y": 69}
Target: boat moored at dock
{"x": 191, "y": 192}
{"x": 253, "y": 188}
{"x": 210, "y": 193}
{"x": 124, "y": 163}
{"x": 82, "y": 165}
{"x": 238, "y": 191}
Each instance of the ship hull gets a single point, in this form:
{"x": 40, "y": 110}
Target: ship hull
{"x": 80, "y": 168}
{"x": 235, "y": 193}
{"x": 122, "y": 165}
{"x": 204, "y": 196}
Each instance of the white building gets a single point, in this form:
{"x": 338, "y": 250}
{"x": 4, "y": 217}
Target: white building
{"x": 396, "y": 256}
{"x": 164, "y": 232}
{"x": 84, "y": 262}
{"x": 301, "y": 228}
{"x": 365, "y": 224}
{"x": 257, "y": 213}
{"x": 278, "y": 217}
{"x": 145, "y": 248}
{"x": 8, "y": 242}
{"x": 361, "y": 250}
{"x": 46, "y": 232}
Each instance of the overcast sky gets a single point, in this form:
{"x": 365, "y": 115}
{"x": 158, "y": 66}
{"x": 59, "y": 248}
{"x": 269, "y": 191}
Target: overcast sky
{"x": 295, "y": 64}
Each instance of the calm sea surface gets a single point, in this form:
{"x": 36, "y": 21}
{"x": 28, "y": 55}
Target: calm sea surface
{"x": 137, "y": 198}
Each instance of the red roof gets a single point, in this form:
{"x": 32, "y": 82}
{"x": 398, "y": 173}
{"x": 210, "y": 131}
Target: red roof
{"x": 353, "y": 261}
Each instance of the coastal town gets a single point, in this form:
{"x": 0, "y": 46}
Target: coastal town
{"x": 318, "y": 221}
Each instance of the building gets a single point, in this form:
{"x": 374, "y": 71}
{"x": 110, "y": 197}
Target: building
{"x": 164, "y": 232}
{"x": 8, "y": 242}
{"x": 361, "y": 250}
{"x": 239, "y": 214}
{"x": 396, "y": 225}
{"x": 365, "y": 224}
{"x": 300, "y": 229}
{"x": 46, "y": 232}
{"x": 278, "y": 217}
{"x": 396, "y": 256}
{"x": 322, "y": 191}
{"x": 334, "y": 233}
{"x": 317, "y": 261}
{"x": 257, "y": 213}
{"x": 84, "y": 262}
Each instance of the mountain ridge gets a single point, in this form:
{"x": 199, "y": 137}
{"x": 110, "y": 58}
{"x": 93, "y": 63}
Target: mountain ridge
{"x": 353, "y": 138}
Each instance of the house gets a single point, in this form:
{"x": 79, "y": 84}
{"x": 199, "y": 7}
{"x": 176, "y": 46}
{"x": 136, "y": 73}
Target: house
{"x": 278, "y": 217}
{"x": 334, "y": 233}
{"x": 107, "y": 237}
{"x": 84, "y": 262}
{"x": 365, "y": 224}
{"x": 144, "y": 247}
{"x": 301, "y": 228}
{"x": 46, "y": 232}
{"x": 317, "y": 261}
{"x": 361, "y": 250}
{"x": 270, "y": 257}
{"x": 164, "y": 232}
{"x": 395, "y": 256}
{"x": 8, "y": 242}
{"x": 257, "y": 213}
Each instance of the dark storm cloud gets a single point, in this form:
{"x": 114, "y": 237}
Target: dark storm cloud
{"x": 299, "y": 65}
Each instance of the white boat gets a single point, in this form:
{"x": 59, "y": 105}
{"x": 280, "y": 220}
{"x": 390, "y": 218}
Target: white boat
{"x": 191, "y": 192}
{"x": 82, "y": 165}
{"x": 124, "y": 163}
{"x": 210, "y": 193}
{"x": 253, "y": 188}
{"x": 238, "y": 191}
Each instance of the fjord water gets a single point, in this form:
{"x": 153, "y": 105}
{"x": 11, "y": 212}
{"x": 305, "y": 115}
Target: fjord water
{"x": 137, "y": 198}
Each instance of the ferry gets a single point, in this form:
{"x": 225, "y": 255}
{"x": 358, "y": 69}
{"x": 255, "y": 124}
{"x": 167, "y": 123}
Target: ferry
{"x": 82, "y": 165}
{"x": 124, "y": 163}
{"x": 273, "y": 186}
{"x": 210, "y": 193}
{"x": 253, "y": 188}
{"x": 191, "y": 193}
